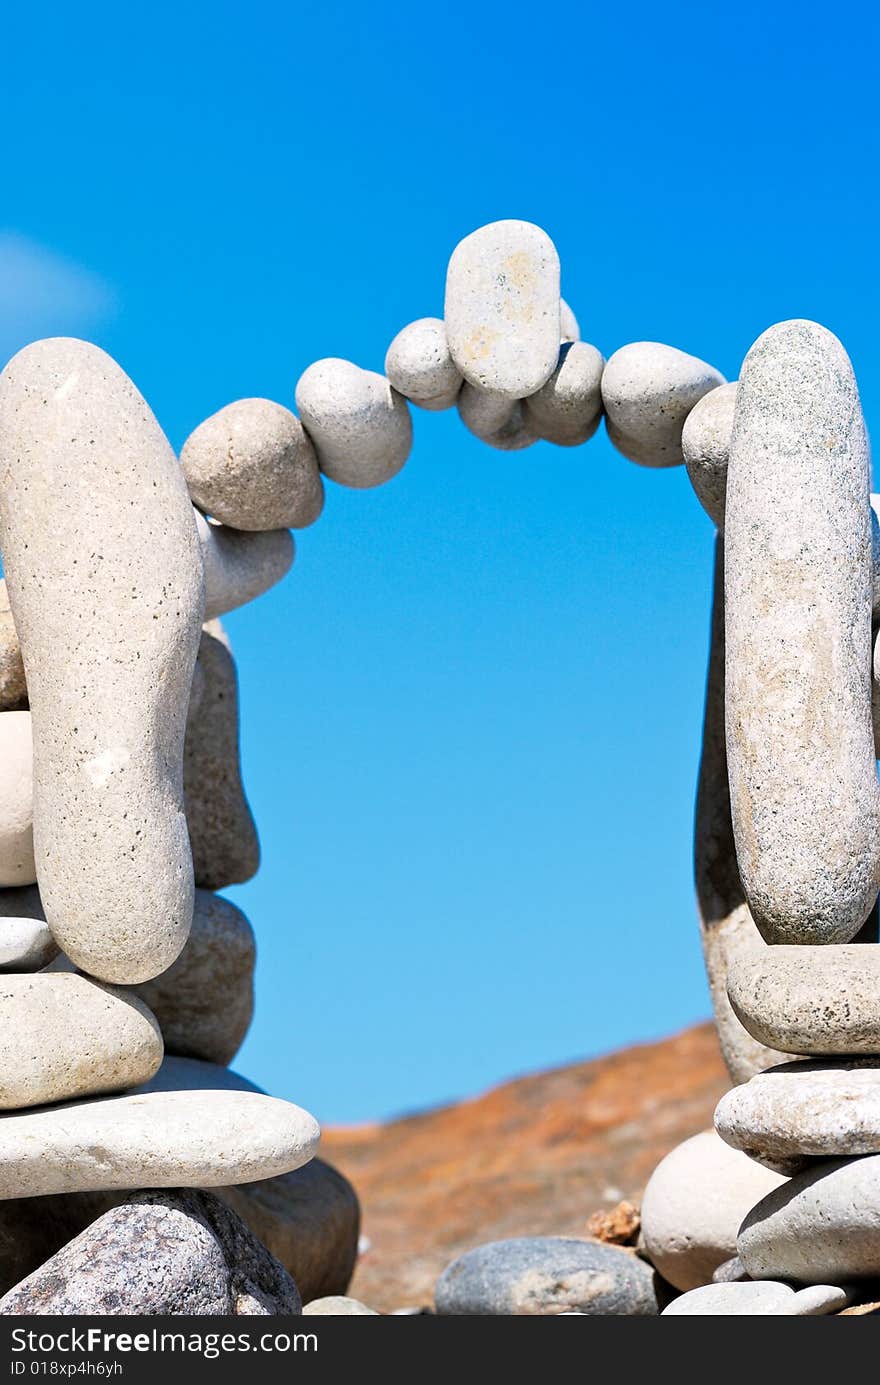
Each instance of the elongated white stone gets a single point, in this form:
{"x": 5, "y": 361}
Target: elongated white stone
{"x": 804, "y": 791}
{"x": 503, "y": 309}
{"x": 360, "y": 426}
{"x": 105, "y": 581}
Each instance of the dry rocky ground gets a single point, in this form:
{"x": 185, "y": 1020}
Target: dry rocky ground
{"x": 535, "y": 1156}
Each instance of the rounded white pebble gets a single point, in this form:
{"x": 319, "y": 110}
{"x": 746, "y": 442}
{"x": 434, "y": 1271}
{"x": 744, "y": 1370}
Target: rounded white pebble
{"x": 240, "y": 565}
{"x": 359, "y": 424}
{"x": 496, "y": 421}
{"x": 648, "y": 390}
{"x": 567, "y": 410}
{"x": 419, "y": 365}
{"x": 705, "y": 445}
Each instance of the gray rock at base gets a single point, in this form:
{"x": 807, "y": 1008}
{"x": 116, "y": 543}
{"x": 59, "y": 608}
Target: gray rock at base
{"x": 338, "y": 1306}
{"x": 544, "y": 1275}
{"x": 813, "y": 999}
{"x": 648, "y": 390}
{"x": 102, "y": 561}
{"x": 419, "y": 366}
{"x": 64, "y": 1036}
{"x": 705, "y": 446}
{"x": 252, "y": 466}
{"x": 359, "y": 424}
{"x": 727, "y": 929}
{"x": 502, "y": 308}
{"x": 239, "y": 565}
{"x": 822, "y": 1225}
{"x": 157, "y": 1139}
{"x": 567, "y": 410}
{"x": 694, "y": 1204}
{"x": 179, "y": 1253}
{"x": 204, "y": 1003}
{"x": 497, "y": 421}
{"x": 803, "y": 779}
{"x": 13, "y": 687}
{"x": 763, "y": 1299}
{"x": 17, "y": 865}
{"x": 225, "y": 846}
{"x": 800, "y": 1111}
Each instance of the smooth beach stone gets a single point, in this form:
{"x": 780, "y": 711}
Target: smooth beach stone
{"x": 13, "y": 687}
{"x": 359, "y": 424}
{"x": 155, "y": 1140}
{"x": 104, "y": 574}
{"x": 239, "y": 566}
{"x": 419, "y": 366}
{"x": 727, "y": 929}
{"x": 758, "y": 1299}
{"x": 731, "y": 1271}
{"x": 705, "y": 446}
{"x": 17, "y": 865}
{"x": 568, "y": 409}
{"x": 544, "y": 1275}
{"x": 496, "y": 421}
{"x": 803, "y": 777}
{"x": 694, "y": 1204}
{"x": 26, "y": 944}
{"x": 820, "y": 1226}
{"x": 338, "y": 1306}
{"x": 179, "y": 1253}
{"x": 225, "y": 846}
{"x": 64, "y": 1036}
{"x": 502, "y": 308}
{"x": 804, "y": 1110}
{"x": 252, "y": 466}
{"x": 569, "y": 329}
{"x": 648, "y": 390}
{"x": 814, "y": 1000}
{"x": 205, "y": 1001}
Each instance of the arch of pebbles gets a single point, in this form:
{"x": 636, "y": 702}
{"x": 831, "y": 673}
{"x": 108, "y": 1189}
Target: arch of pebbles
{"x": 122, "y": 808}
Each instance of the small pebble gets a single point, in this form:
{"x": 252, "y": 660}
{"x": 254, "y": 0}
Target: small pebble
{"x": 763, "y": 1299}
{"x": 568, "y": 409}
{"x": 705, "y": 446}
{"x": 419, "y": 365}
{"x": 240, "y": 566}
{"x": 338, "y": 1306}
{"x": 543, "y": 1275}
{"x": 360, "y": 426}
{"x": 648, "y": 390}
{"x": 496, "y": 421}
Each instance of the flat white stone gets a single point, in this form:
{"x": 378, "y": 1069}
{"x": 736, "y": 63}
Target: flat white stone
{"x": 758, "y": 1299}
{"x": 190, "y": 1139}
{"x": 502, "y": 308}
{"x": 815, "y": 999}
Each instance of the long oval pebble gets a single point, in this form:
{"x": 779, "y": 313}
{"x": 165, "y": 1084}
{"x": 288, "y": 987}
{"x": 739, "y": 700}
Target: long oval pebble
{"x": 105, "y": 580}
{"x": 503, "y": 309}
{"x": 803, "y": 779}
{"x": 360, "y": 426}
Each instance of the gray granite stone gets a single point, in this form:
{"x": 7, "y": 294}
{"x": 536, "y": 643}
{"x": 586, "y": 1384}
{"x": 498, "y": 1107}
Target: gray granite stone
{"x": 812, "y": 999}
{"x": 544, "y": 1275}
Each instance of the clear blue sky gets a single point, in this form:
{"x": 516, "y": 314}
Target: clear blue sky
{"x": 472, "y": 712}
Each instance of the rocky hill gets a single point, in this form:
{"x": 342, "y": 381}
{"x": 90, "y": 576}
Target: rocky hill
{"x": 537, "y": 1155}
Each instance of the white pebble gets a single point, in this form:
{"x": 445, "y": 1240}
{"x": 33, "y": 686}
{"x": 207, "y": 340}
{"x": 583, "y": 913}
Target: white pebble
{"x": 567, "y": 410}
{"x": 648, "y": 390}
{"x": 359, "y": 424}
{"x": 419, "y": 365}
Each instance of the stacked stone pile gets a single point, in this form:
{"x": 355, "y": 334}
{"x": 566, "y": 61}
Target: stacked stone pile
{"x": 122, "y": 809}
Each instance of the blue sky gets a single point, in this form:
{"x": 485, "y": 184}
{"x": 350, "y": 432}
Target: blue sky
{"x": 472, "y": 712}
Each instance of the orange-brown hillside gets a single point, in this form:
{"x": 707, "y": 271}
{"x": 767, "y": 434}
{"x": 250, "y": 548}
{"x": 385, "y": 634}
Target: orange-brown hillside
{"x": 535, "y": 1156}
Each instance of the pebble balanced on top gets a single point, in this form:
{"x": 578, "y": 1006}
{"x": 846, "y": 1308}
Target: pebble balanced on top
{"x": 115, "y": 558}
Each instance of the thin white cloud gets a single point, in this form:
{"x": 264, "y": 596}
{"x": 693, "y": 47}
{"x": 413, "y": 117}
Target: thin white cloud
{"x": 43, "y": 294}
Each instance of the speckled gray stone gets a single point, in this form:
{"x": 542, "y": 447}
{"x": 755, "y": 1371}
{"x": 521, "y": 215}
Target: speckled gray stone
{"x": 102, "y": 561}
{"x": 804, "y": 1110}
{"x": 64, "y": 1036}
{"x": 158, "y": 1139}
{"x": 502, "y": 308}
{"x": 500, "y": 423}
{"x": 815, "y": 1000}
{"x": 648, "y": 390}
{"x": 419, "y": 365}
{"x": 569, "y": 328}
{"x": 545, "y": 1275}
{"x": 804, "y": 790}
{"x": 727, "y": 929}
{"x": 13, "y": 688}
{"x": 225, "y": 846}
{"x": 338, "y": 1306}
{"x": 179, "y": 1253}
{"x": 252, "y": 466}
{"x": 240, "y": 566}
{"x": 568, "y": 409}
{"x": 822, "y": 1225}
{"x": 360, "y": 426}
{"x": 705, "y": 446}
{"x": 204, "y": 1002}
{"x": 693, "y": 1205}
{"x": 17, "y": 865}
{"x": 762, "y": 1299}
